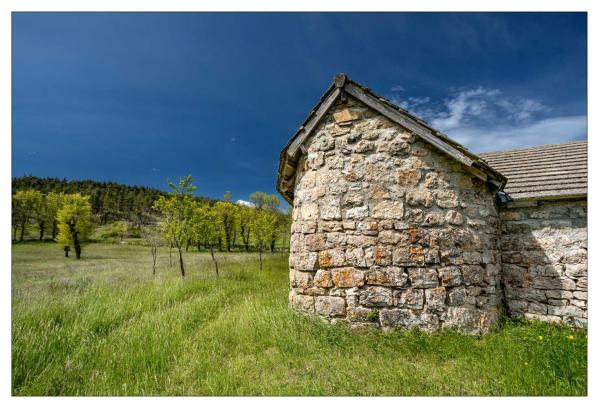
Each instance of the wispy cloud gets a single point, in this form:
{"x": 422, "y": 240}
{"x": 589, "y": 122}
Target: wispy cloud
{"x": 485, "y": 119}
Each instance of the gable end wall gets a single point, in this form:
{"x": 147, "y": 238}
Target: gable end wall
{"x": 389, "y": 232}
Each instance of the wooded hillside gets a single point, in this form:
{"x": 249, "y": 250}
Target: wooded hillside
{"x": 110, "y": 201}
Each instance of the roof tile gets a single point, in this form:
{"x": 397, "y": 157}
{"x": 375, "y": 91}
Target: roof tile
{"x": 542, "y": 172}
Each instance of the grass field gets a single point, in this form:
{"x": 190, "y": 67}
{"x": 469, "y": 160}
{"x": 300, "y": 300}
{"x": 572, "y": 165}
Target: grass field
{"x": 104, "y": 325}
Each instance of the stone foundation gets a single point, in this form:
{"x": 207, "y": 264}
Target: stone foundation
{"x": 388, "y": 232}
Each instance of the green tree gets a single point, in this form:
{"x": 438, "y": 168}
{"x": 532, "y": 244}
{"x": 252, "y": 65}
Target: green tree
{"x": 74, "y": 222}
{"x": 244, "y": 221}
{"x": 177, "y": 213}
{"x": 206, "y": 228}
{"x": 151, "y": 237}
{"x": 263, "y": 226}
{"x": 54, "y": 202}
{"x": 25, "y": 203}
{"x": 41, "y": 213}
{"x": 262, "y": 200}
{"x": 226, "y": 219}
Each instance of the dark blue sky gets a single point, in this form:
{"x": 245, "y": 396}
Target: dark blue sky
{"x": 139, "y": 97}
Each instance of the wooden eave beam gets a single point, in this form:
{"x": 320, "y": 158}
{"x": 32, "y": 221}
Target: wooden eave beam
{"x": 314, "y": 120}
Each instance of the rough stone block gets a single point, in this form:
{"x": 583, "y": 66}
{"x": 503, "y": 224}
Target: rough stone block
{"x": 388, "y": 210}
{"x": 303, "y": 303}
{"x": 446, "y": 199}
{"x": 473, "y": 274}
{"x": 330, "y": 306}
{"x": 434, "y": 219}
{"x": 306, "y": 261}
{"x": 408, "y": 256}
{"x": 314, "y": 242}
{"x": 435, "y": 298}
{"x": 456, "y": 296}
{"x": 382, "y": 256}
{"x": 360, "y": 314}
{"x": 466, "y": 319}
{"x": 357, "y": 213}
{"x": 565, "y": 311}
{"x": 410, "y": 298}
{"x": 419, "y": 198}
{"x": 423, "y": 277}
{"x": 376, "y": 296}
{"x": 331, "y": 258}
{"x": 434, "y": 180}
{"x": 409, "y": 178}
{"x": 330, "y": 208}
{"x": 347, "y": 277}
{"x": 450, "y": 276}
{"x": 387, "y": 276}
{"x": 408, "y": 319}
{"x": 346, "y": 115}
{"x": 454, "y": 218}
{"x": 309, "y": 211}
{"x": 323, "y": 279}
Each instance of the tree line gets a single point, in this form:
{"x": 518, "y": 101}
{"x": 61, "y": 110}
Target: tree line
{"x": 183, "y": 220}
{"x": 67, "y": 217}
{"x": 109, "y": 201}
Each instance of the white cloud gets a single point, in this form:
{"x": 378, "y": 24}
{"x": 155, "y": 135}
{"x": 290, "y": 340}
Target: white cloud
{"x": 464, "y": 107}
{"x": 484, "y": 119}
{"x": 544, "y": 131}
{"x": 243, "y": 202}
{"x": 398, "y": 88}
{"x": 522, "y": 109}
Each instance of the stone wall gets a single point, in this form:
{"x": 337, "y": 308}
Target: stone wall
{"x": 544, "y": 253}
{"x": 388, "y": 232}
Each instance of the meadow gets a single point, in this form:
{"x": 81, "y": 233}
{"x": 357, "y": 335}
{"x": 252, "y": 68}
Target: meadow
{"x": 104, "y": 325}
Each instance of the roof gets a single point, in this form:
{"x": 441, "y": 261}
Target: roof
{"x": 294, "y": 149}
{"x": 543, "y": 172}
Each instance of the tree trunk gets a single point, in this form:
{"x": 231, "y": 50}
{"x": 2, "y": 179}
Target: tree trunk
{"x": 228, "y": 240}
{"x": 187, "y": 246}
{"x": 15, "y": 228}
{"x": 170, "y": 255}
{"x": 214, "y": 259}
{"x": 245, "y": 237}
{"x": 66, "y": 251}
{"x": 154, "y": 250}
{"x": 41, "y": 224}
{"x": 260, "y": 255}
{"x": 76, "y": 242}
{"x": 22, "y": 230}
{"x": 54, "y": 229}
{"x": 199, "y": 247}
{"x": 273, "y": 240}
{"x": 181, "y": 261}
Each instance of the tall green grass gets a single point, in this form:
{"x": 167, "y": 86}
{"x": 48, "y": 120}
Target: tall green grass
{"x": 104, "y": 325}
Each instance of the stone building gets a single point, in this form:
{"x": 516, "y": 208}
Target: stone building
{"x": 396, "y": 225}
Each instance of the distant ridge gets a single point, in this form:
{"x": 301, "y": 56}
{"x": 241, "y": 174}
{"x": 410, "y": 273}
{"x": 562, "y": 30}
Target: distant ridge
{"x": 110, "y": 201}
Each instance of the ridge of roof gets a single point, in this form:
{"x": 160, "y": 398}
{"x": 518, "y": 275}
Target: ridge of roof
{"x": 289, "y": 156}
{"x": 532, "y": 148}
